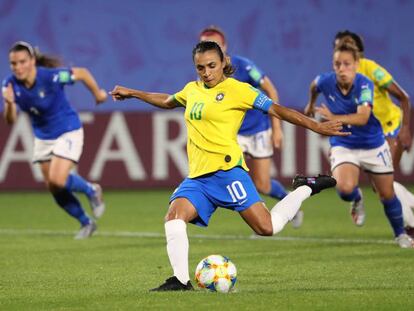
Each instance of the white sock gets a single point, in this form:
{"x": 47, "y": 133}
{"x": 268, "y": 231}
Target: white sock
{"x": 177, "y": 248}
{"x": 286, "y": 209}
{"x": 406, "y": 202}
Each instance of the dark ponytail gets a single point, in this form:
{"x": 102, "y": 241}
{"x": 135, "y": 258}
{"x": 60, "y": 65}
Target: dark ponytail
{"x": 43, "y": 60}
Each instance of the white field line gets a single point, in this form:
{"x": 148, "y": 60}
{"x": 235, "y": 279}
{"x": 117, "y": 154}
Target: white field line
{"x": 137, "y": 234}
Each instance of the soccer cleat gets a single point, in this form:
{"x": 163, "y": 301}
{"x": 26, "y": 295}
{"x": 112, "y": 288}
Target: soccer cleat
{"x": 86, "y": 231}
{"x": 96, "y": 201}
{"x": 317, "y": 183}
{"x": 410, "y": 231}
{"x": 358, "y": 211}
{"x": 404, "y": 241}
{"x": 297, "y": 220}
{"x": 173, "y": 284}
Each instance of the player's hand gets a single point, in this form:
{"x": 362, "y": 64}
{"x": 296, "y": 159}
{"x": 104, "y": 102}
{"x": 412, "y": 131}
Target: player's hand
{"x": 277, "y": 137}
{"x": 404, "y": 137}
{"x": 309, "y": 110}
{"x": 101, "y": 96}
{"x": 120, "y": 93}
{"x": 8, "y": 94}
{"x": 324, "y": 111}
{"x": 331, "y": 128}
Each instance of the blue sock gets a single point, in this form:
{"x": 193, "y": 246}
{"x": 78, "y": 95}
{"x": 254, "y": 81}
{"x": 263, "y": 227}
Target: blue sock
{"x": 277, "y": 191}
{"x": 66, "y": 200}
{"x": 393, "y": 210}
{"x": 76, "y": 183}
{"x": 354, "y": 196}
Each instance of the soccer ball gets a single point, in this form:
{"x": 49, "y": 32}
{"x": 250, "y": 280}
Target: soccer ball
{"x": 216, "y": 273}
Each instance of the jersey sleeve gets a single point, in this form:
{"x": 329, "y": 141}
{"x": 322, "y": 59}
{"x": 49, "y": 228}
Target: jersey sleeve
{"x": 181, "y": 96}
{"x": 367, "y": 93}
{"x": 63, "y": 76}
{"x": 379, "y": 75}
{"x": 319, "y": 82}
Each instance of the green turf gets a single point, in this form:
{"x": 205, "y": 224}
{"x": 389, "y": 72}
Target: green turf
{"x": 332, "y": 265}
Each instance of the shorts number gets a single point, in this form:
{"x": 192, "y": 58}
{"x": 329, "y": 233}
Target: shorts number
{"x": 236, "y": 191}
{"x": 385, "y": 156}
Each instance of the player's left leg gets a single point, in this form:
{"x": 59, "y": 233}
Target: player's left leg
{"x": 268, "y": 223}
{"x": 59, "y": 169}
{"x": 392, "y": 207}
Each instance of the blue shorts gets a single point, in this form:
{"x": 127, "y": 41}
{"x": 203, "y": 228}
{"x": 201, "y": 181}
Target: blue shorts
{"x": 233, "y": 189}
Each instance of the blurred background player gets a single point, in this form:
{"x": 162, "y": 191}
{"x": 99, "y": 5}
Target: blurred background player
{"x": 259, "y": 133}
{"x": 36, "y": 86}
{"x": 394, "y": 119}
{"x": 349, "y": 97}
{"x": 215, "y": 106}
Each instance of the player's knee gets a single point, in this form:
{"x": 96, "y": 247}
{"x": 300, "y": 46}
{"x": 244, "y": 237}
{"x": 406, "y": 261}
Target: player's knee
{"x": 345, "y": 187}
{"x": 55, "y": 185}
{"x": 386, "y": 194}
{"x": 263, "y": 186}
{"x": 264, "y": 230}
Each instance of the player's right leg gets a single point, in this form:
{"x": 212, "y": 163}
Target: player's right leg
{"x": 181, "y": 211}
{"x": 345, "y": 169}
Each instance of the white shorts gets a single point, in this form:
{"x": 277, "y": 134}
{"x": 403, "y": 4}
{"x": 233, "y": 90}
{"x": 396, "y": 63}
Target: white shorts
{"x": 258, "y": 145}
{"x": 68, "y": 146}
{"x": 376, "y": 161}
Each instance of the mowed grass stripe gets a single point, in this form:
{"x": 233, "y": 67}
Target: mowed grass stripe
{"x": 137, "y": 234}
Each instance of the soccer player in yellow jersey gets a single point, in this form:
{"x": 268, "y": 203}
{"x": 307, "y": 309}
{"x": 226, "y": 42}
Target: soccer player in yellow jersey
{"x": 395, "y": 120}
{"x": 214, "y": 110}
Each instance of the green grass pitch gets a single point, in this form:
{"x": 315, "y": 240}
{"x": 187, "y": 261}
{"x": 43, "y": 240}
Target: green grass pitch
{"x": 328, "y": 264}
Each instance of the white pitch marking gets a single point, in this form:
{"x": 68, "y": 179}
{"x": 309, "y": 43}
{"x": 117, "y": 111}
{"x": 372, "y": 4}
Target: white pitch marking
{"x": 137, "y": 234}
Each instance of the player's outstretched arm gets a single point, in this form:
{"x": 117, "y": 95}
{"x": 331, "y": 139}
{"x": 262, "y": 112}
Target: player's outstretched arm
{"x": 84, "y": 75}
{"x": 398, "y": 92}
{"x": 270, "y": 90}
{"x": 329, "y": 128}
{"x": 160, "y": 100}
{"x": 359, "y": 118}
{"x": 10, "y": 111}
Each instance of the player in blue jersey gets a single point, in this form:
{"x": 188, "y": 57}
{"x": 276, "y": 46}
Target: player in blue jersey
{"x": 259, "y": 133}
{"x": 394, "y": 119}
{"x": 37, "y": 88}
{"x": 349, "y": 99}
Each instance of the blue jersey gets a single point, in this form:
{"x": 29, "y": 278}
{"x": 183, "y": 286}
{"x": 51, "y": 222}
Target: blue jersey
{"x": 367, "y": 136}
{"x": 50, "y": 112}
{"x": 255, "y": 120}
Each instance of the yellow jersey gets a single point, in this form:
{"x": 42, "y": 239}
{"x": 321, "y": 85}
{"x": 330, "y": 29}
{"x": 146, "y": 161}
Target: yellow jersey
{"x": 388, "y": 113}
{"x": 213, "y": 117}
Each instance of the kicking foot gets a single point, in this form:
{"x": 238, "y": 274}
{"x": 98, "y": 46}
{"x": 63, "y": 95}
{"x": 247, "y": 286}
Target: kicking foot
{"x": 404, "y": 241}
{"x": 173, "y": 284}
{"x": 317, "y": 183}
{"x": 297, "y": 220}
{"x": 96, "y": 201}
{"x": 358, "y": 211}
{"x": 86, "y": 231}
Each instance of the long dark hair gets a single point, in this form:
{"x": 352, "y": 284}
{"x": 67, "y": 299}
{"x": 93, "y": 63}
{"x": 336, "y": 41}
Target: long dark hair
{"x": 354, "y": 36}
{"x": 205, "y": 46}
{"x": 43, "y": 60}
